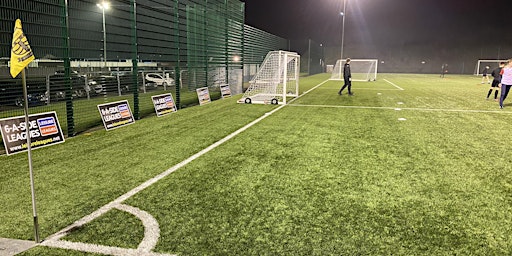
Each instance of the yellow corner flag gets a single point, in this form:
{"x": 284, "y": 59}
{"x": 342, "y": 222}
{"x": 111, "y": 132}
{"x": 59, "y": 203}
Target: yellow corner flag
{"x": 21, "y": 54}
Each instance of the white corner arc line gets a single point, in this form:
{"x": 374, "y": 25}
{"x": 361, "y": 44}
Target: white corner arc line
{"x": 393, "y": 84}
{"x": 151, "y": 228}
{"x": 54, "y": 239}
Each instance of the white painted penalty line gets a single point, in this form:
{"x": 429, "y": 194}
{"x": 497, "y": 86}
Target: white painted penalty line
{"x": 414, "y": 109}
{"x": 53, "y": 240}
{"x": 393, "y": 84}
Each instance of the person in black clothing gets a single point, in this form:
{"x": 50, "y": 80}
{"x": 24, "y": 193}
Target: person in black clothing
{"x": 496, "y": 81}
{"x": 347, "y": 77}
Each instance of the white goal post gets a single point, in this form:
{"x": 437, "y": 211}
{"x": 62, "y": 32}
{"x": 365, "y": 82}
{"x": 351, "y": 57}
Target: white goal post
{"x": 480, "y": 65}
{"x": 361, "y": 69}
{"x": 276, "y": 79}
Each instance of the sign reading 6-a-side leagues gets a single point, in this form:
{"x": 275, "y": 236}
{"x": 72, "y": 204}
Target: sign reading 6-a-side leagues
{"x": 164, "y": 104}
{"x": 44, "y": 130}
{"x": 116, "y": 114}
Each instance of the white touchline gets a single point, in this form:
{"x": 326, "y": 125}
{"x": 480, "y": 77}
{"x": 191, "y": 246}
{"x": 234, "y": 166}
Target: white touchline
{"x": 53, "y": 240}
{"x": 100, "y": 249}
{"x": 400, "y": 88}
{"x": 417, "y": 109}
{"x": 373, "y": 89}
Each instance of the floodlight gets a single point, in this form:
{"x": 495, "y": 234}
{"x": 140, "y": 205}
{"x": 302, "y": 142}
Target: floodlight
{"x": 103, "y": 5}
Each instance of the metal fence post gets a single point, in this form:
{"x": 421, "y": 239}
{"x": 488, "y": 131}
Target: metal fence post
{"x": 70, "y": 116}
{"x": 135, "y": 70}
{"x": 177, "y": 71}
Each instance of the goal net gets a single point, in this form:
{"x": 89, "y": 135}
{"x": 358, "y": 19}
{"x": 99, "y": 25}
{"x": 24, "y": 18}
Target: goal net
{"x": 276, "y": 79}
{"x": 481, "y": 64}
{"x": 360, "y": 69}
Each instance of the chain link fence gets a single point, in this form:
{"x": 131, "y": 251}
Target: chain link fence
{"x": 88, "y": 55}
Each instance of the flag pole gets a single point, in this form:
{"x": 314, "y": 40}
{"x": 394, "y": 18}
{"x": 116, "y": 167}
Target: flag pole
{"x": 29, "y": 149}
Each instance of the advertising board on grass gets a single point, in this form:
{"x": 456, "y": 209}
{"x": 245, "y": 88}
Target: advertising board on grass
{"x": 164, "y": 104}
{"x": 116, "y": 114}
{"x": 225, "y": 91}
{"x": 203, "y": 95}
{"x": 44, "y": 130}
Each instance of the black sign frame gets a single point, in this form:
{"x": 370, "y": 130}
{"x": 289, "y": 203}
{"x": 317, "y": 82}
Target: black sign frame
{"x": 45, "y": 130}
{"x": 161, "y": 104}
{"x": 116, "y": 114}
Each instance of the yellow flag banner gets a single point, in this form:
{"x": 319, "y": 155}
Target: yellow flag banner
{"x": 21, "y": 54}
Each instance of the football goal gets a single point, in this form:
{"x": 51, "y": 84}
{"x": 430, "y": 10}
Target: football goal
{"x": 481, "y": 64}
{"x": 361, "y": 69}
{"x": 276, "y": 79}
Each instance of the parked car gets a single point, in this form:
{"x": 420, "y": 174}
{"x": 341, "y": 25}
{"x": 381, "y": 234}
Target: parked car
{"x": 11, "y": 92}
{"x": 80, "y": 85}
{"x": 159, "y": 80}
{"x": 34, "y": 99}
{"x": 125, "y": 80}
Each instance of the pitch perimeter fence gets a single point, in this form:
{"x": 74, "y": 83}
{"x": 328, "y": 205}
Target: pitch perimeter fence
{"x": 86, "y": 55}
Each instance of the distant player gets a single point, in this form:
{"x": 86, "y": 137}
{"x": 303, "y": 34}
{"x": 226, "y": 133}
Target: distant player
{"x": 506, "y": 81}
{"x": 485, "y": 75}
{"x": 347, "y": 77}
{"x": 496, "y": 81}
{"x": 444, "y": 70}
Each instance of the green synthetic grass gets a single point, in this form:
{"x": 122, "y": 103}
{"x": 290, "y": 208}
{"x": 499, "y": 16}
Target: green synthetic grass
{"x": 110, "y": 233}
{"x": 46, "y": 251}
{"x": 82, "y": 174}
{"x": 326, "y": 175}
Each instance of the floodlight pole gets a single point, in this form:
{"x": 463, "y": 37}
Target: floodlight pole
{"x": 104, "y": 39}
{"x": 343, "y": 14}
{"x": 103, "y": 6}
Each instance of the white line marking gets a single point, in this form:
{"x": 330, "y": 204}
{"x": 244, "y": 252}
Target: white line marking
{"x": 400, "y": 88}
{"x": 374, "y": 89}
{"x": 367, "y": 89}
{"x": 308, "y": 91}
{"x": 418, "y": 109}
{"x": 151, "y": 228}
{"x": 54, "y": 241}
{"x": 101, "y": 249}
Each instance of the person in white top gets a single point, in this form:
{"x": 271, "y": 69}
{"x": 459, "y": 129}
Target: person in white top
{"x": 506, "y": 81}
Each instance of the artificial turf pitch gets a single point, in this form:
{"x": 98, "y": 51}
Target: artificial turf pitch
{"x": 419, "y": 171}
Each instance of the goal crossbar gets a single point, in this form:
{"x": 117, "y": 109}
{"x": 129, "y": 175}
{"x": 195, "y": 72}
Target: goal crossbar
{"x": 361, "y": 69}
{"x": 482, "y": 63}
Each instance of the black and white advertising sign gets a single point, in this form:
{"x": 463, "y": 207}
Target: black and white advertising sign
{"x": 203, "y": 95}
{"x": 225, "y": 91}
{"x": 44, "y": 130}
{"x": 116, "y": 114}
{"x": 164, "y": 104}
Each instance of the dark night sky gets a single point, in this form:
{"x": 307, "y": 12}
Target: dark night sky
{"x": 477, "y": 26}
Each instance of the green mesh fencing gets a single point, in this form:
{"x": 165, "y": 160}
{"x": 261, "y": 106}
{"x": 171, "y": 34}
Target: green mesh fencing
{"x": 257, "y": 43}
{"x": 87, "y": 55}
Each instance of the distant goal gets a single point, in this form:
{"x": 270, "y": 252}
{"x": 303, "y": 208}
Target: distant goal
{"x": 481, "y": 64}
{"x": 276, "y": 80}
{"x": 361, "y": 69}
